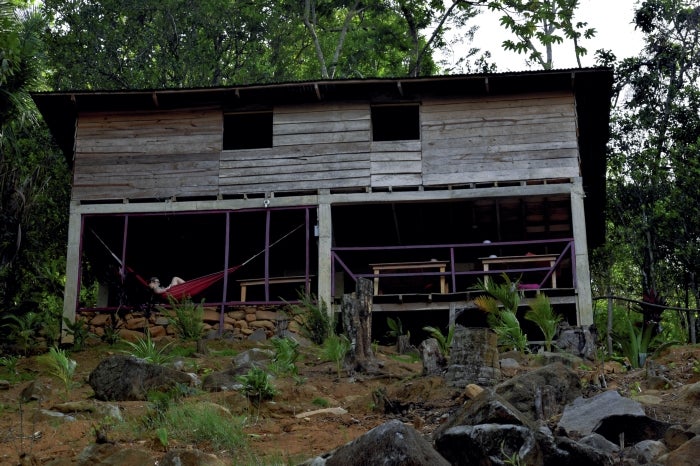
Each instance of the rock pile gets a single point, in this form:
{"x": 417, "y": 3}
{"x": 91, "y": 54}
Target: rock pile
{"x": 498, "y": 427}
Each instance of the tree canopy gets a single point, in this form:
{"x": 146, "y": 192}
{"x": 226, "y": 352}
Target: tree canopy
{"x": 653, "y": 167}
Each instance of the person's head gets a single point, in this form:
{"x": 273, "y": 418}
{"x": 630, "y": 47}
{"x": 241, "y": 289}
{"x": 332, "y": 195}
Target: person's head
{"x": 155, "y": 283}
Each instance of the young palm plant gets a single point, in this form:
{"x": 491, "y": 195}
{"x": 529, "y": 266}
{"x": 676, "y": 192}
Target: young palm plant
{"x": 444, "y": 341}
{"x": 542, "y": 314}
{"x": 501, "y": 306}
{"x": 59, "y": 365}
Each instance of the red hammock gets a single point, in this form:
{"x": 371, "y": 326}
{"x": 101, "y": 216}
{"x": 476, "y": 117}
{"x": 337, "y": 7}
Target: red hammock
{"x": 191, "y": 287}
{"x": 196, "y": 285}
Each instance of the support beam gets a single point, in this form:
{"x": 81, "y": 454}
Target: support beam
{"x": 325, "y": 235}
{"x": 584, "y": 300}
{"x": 70, "y": 295}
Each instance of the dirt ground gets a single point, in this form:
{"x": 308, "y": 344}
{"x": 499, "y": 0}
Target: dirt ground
{"x": 276, "y": 434}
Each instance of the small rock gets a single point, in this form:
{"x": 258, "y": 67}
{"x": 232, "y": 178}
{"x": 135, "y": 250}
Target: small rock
{"x": 685, "y": 455}
{"x": 646, "y": 451}
{"x": 691, "y": 393}
{"x": 190, "y": 458}
{"x": 337, "y": 411}
{"x": 5, "y": 384}
{"x": 676, "y": 436}
{"x": 600, "y": 443}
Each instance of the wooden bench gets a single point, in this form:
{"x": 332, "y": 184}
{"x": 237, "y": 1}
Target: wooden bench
{"x": 385, "y": 267}
{"x": 245, "y": 283}
{"x": 527, "y": 259}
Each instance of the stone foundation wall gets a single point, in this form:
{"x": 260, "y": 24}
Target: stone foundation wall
{"x": 239, "y": 323}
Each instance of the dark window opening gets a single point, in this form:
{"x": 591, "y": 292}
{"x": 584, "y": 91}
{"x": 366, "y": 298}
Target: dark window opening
{"x": 247, "y": 130}
{"x": 395, "y": 123}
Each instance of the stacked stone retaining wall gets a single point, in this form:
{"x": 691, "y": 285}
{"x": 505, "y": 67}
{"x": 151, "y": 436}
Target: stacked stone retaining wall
{"x": 238, "y": 323}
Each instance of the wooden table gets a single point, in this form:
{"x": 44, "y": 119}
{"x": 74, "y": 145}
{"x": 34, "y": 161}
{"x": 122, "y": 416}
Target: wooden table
{"x": 245, "y": 283}
{"x": 550, "y": 258}
{"x": 377, "y": 269}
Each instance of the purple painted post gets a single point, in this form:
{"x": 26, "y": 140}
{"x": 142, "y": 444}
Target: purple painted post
{"x": 225, "y": 293}
{"x": 267, "y": 255}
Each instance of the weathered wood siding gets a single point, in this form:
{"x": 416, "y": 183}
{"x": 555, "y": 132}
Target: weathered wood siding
{"x": 315, "y": 147}
{"x": 499, "y": 139}
{"x": 147, "y": 155}
{"x": 325, "y": 146}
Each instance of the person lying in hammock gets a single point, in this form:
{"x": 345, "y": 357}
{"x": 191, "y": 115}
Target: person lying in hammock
{"x": 155, "y": 284}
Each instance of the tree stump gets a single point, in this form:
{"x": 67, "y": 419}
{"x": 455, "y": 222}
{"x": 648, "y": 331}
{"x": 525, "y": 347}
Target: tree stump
{"x": 357, "y": 324}
{"x": 403, "y": 344}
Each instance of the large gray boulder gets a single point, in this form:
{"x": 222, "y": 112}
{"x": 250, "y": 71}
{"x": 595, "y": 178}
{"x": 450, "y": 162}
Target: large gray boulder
{"x": 632, "y": 428}
{"x": 486, "y": 408}
{"x": 240, "y": 365}
{"x": 488, "y": 444}
{"x": 126, "y": 378}
{"x": 390, "y": 444}
{"x": 541, "y": 393}
{"x": 584, "y": 414}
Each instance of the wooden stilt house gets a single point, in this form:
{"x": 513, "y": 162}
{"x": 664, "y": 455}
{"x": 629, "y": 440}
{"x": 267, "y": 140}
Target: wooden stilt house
{"x": 424, "y": 185}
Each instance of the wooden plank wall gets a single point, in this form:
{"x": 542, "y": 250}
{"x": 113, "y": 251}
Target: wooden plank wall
{"x": 315, "y": 147}
{"x": 500, "y": 139}
{"x": 325, "y": 146}
{"x": 147, "y": 155}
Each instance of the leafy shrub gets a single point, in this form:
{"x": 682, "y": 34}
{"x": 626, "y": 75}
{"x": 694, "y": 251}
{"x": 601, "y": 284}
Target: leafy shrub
{"x": 23, "y": 329}
{"x": 186, "y": 316}
{"x": 286, "y": 356}
{"x": 146, "y": 349}
{"x": 79, "y": 330}
{"x": 59, "y": 365}
{"x": 395, "y": 328}
{"x": 257, "y": 386}
{"x": 316, "y": 324}
{"x": 634, "y": 341}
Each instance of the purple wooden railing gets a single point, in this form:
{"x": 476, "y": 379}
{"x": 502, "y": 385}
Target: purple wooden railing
{"x": 563, "y": 248}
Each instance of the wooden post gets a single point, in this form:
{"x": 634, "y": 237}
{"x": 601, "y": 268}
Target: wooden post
{"x": 610, "y": 324}
{"x": 357, "y": 324}
{"x": 70, "y": 296}
{"x": 584, "y": 300}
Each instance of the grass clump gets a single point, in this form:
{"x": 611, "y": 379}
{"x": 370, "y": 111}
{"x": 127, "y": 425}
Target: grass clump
{"x": 59, "y": 365}
{"x": 316, "y": 323}
{"x": 193, "y": 423}
{"x": 146, "y": 349}
{"x": 334, "y": 349}
{"x": 322, "y": 402}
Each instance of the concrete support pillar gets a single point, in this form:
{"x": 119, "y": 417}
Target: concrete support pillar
{"x": 325, "y": 235}
{"x": 584, "y": 300}
{"x": 70, "y": 295}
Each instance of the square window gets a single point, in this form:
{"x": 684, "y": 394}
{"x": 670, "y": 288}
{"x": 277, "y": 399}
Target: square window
{"x": 247, "y": 130}
{"x": 395, "y": 122}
